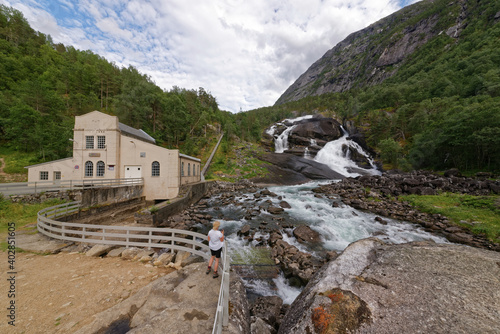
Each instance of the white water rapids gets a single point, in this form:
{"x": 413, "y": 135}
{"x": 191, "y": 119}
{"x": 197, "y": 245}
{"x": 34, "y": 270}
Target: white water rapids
{"x": 337, "y": 226}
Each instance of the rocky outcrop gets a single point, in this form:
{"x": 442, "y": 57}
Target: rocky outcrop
{"x": 373, "y": 287}
{"x": 309, "y": 168}
{"x": 370, "y": 56}
{"x": 297, "y": 266}
{"x": 185, "y": 300}
{"x": 323, "y": 129}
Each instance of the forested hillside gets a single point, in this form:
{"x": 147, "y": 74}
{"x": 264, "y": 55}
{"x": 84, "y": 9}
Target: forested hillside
{"x": 44, "y": 85}
{"x": 441, "y": 106}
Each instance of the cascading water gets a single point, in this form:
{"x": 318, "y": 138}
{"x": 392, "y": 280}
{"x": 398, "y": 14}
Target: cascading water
{"x": 281, "y": 143}
{"x": 337, "y": 226}
{"x": 335, "y": 156}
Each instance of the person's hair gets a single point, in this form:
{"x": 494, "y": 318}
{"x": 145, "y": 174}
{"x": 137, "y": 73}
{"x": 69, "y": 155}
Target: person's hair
{"x": 216, "y": 224}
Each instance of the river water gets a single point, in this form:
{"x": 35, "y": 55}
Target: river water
{"x": 337, "y": 226}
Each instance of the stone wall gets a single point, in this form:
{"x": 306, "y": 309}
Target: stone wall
{"x": 157, "y": 213}
{"x": 68, "y": 195}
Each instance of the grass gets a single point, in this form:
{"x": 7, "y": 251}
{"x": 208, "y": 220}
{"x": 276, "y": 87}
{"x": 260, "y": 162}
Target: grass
{"x": 15, "y": 161}
{"x": 20, "y": 214}
{"x": 480, "y": 214}
{"x": 237, "y": 163}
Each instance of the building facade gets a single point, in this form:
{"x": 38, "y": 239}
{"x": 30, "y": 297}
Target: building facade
{"x": 104, "y": 148}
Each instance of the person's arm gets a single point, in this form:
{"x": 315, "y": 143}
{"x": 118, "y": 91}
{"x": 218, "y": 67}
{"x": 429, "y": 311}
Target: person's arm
{"x": 222, "y": 238}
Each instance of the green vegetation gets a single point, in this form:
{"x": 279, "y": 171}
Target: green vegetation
{"x": 480, "y": 214}
{"x": 44, "y": 85}
{"x": 442, "y": 107}
{"x": 238, "y": 163}
{"x": 20, "y": 214}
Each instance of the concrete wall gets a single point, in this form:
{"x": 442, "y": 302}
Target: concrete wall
{"x": 166, "y": 209}
{"x": 103, "y": 196}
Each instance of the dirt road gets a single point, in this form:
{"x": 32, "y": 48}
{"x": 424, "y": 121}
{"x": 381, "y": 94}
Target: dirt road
{"x": 60, "y": 293}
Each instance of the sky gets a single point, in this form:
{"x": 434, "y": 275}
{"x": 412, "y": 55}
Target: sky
{"x": 245, "y": 53}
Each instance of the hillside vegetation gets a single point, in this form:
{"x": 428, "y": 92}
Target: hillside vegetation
{"x": 439, "y": 107}
{"x": 44, "y": 85}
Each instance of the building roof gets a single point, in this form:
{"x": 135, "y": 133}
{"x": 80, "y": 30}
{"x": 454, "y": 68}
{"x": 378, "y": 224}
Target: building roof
{"x": 136, "y": 133}
{"x": 49, "y": 162}
{"x": 188, "y": 157}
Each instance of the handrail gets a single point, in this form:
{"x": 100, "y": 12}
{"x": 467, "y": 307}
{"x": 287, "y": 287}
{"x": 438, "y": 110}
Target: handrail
{"x": 36, "y": 187}
{"x": 222, "y": 314}
{"x": 150, "y": 237}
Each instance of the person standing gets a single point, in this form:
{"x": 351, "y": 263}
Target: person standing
{"x": 215, "y": 242}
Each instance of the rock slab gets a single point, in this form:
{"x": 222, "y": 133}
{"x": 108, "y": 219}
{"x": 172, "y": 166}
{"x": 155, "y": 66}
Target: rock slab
{"x": 407, "y": 288}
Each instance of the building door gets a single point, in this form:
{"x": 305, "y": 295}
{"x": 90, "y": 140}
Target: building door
{"x": 133, "y": 172}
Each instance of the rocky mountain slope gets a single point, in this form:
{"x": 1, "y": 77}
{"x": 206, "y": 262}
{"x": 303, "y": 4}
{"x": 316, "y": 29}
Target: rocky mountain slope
{"x": 370, "y": 56}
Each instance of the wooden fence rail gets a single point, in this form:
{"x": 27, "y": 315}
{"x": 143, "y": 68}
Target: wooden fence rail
{"x": 132, "y": 236}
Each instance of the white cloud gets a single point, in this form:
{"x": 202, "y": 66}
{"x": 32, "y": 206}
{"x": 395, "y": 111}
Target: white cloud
{"x": 246, "y": 53}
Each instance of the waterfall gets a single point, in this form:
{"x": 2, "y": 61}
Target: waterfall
{"x": 281, "y": 143}
{"x": 306, "y": 153}
{"x": 334, "y": 155}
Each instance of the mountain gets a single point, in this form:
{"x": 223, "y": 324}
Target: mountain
{"x": 430, "y": 30}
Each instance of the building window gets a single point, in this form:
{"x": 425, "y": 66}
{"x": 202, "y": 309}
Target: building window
{"x": 89, "y": 169}
{"x": 89, "y": 140}
{"x": 189, "y": 169}
{"x": 194, "y": 170}
{"x": 182, "y": 168}
{"x": 57, "y": 175}
{"x": 155, "y": 168}
{"x": 101, "y": 141}
{"x": 44, "y": 175}
{"x": 100, "y": 168}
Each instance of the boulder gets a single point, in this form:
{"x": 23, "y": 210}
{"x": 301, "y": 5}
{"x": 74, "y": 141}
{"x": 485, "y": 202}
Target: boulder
{"x": 116, "y": 252}
{"x": 285, "y": 205}
{"x": 304, "y": 233}
{"x": 130, "y": 253}
{"x": 327, "y": 129}
{"x": 267, "y": 308}
{"x": 275, "y": 210}
{"x": 374, "y": 287}
{"x": 164, "y": 259}
{"x": 99, "y": 250}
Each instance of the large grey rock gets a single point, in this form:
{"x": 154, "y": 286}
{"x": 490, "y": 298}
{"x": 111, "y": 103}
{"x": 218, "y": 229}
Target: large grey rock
{"x": 309, "y": 168}
{"x": 184, "y": 301}
{"x": 419, "y": 287}
{"x": 99, "y": 250}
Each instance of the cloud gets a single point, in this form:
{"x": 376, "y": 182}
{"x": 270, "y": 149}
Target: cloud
{"x": 246, "y": 53}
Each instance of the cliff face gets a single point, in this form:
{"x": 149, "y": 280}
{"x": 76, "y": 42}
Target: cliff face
{"x": 370, "y": 56}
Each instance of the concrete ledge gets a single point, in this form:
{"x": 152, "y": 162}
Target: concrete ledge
{"x": 159, "y": 212}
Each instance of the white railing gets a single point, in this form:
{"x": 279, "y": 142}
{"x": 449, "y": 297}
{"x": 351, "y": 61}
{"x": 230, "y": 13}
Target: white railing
{"x": 35, "y": 187}
{"x": 222, "y": 314}
{"x": 130, "y": 236}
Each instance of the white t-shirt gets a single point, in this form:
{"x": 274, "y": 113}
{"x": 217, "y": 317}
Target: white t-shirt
{"x": 215, "y": 243}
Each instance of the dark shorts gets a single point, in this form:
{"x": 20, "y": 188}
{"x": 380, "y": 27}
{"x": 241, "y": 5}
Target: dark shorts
{"x": 216, "y": 253}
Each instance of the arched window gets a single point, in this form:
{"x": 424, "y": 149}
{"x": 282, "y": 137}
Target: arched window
{"x": 155, "y": 168}
{"x": 182, "y": 168}
{"x": 89, "y": 169}
{"x": 100, "y": 167}
{"x": 189, "y": 169}
{"x": 194, "y": 170}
